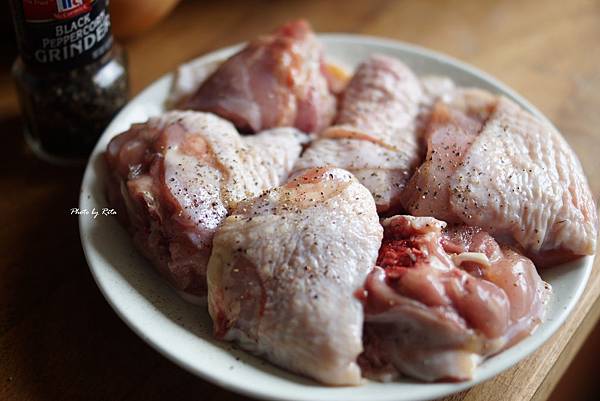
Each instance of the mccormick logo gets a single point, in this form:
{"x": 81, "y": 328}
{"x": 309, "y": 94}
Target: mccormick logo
{"x": 47, "y": 10}
{"x": 68, "y": 5}
{"x": 71, "y": 8}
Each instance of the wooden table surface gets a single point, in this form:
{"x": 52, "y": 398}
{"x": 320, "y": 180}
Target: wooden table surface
{"x": 59, "y": 339}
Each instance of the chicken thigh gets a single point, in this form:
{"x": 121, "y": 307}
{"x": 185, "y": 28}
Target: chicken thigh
{"x": 491, "y": 164}
{"x": 441, "y": 301}
{"x": 284, "y": 269}
{"x": 174, "y": 178}
{"x": 276, "y": 80}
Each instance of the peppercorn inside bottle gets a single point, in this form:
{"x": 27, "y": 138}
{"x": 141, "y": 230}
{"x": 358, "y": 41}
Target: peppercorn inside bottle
{"x": 71, "y": 78}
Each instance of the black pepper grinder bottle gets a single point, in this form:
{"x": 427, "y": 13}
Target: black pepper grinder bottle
{"x": 71, "y": 78}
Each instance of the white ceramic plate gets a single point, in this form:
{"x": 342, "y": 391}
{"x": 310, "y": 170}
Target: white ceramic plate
{"x": 182, "y": 332}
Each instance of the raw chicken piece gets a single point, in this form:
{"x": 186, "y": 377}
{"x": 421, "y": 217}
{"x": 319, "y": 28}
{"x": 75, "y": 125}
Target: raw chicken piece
{"x": 380, "y": 105}
{"x": 442, "y": 301}
{"x": 383, "y": 171}
{"x": 284, "y": 269}
{"x": 491, "y": 164}
{"x": 428, "y": 192}
{"x": 174, "y": 179}
{"x": 375, "y": 134}
{"x": 276, "y": 80}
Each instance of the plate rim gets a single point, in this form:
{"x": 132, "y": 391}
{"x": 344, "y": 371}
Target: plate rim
{"x": 233, "y": 385}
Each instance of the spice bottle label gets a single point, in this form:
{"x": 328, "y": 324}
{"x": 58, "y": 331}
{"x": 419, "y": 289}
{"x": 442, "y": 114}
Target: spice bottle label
{"x": 64, "y": 33}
